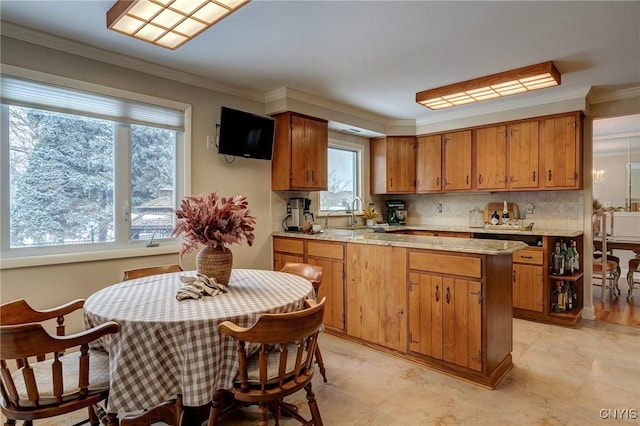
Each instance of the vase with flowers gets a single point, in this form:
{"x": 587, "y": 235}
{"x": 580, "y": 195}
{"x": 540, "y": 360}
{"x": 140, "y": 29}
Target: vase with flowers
{"x": 370, "y": 215}
{"x": 215, "y": 222}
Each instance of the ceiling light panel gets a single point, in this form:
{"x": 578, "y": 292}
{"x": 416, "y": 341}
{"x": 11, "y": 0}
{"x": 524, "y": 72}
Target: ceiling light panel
{"x": 168, "y": 23}
{"x": 506, "y": 83}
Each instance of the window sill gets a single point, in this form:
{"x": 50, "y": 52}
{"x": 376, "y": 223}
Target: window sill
{"x": 57, "y": 259}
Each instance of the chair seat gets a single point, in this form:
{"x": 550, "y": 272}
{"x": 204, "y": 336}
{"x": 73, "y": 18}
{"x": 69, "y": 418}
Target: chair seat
{"x": 611, "y": 266}
{"x": 98, "y": 378}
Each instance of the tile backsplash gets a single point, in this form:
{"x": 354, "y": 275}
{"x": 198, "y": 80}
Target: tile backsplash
{"x": 561, "y": 210}
{"x": 557, "y": 210}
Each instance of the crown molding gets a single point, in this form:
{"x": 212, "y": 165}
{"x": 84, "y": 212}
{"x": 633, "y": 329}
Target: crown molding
{"x": 613, "y": 95}
{"x": 73, "y": 47}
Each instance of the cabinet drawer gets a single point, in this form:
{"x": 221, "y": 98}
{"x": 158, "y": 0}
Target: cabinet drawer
{"x": 446, "y": 264}
{"x": 328, "y": 250}
{"x": 288, "y": 245}
{"x": 531, "y": 256}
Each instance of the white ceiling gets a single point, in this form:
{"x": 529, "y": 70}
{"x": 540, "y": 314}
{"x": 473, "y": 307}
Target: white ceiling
{"x": 373, "y": 56}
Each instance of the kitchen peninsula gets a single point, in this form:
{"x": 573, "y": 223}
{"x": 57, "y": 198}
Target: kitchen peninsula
{"x": 443, "y": 302}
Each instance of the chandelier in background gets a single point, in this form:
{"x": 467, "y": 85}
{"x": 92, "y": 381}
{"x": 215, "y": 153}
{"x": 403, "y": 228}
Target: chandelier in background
{"x": 598, "y": 176}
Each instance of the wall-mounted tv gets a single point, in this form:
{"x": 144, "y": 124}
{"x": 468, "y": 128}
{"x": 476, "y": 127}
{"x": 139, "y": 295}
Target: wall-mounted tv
{"x": 244, "y": 134}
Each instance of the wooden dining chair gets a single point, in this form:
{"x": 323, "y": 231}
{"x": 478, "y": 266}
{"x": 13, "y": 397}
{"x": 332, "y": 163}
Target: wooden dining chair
{"x": 634, "y": 268}
{"x": 39, "y": 378}
{"x": 313, "y": 274}
{"x": 131, "y": 274}
{"x": 282, "y": 365}
{"x": 169, "y": 412}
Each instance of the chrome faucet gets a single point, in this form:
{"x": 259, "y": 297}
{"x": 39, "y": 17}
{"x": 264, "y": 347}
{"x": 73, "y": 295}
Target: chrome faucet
{"x": 326, "y": 218}
{"x": 354, "y": 220}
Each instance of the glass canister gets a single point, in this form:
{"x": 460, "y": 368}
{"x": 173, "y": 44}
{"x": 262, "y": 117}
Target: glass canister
{"x": 476, "y": 218}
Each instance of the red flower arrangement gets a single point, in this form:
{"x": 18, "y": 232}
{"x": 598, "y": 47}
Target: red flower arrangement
{"x": 213, "y": 221}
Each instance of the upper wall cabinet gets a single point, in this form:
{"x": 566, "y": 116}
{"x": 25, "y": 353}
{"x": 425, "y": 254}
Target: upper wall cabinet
{"x": 299, "y": 153}
{"x": 490, "y": 153}
{"x": 393, "y": 165}
{"x": 429, "y": 163}
{"x": 457, "y": 160}
{"x": 562, "y": 152}
{"x": 523, "y": 144}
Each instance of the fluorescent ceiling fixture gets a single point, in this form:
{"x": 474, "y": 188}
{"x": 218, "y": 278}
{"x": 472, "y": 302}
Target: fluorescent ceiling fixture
{"x": 168, "y": 23}
{"x": 506, "y": 83}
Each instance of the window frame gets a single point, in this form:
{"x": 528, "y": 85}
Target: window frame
{"x": 123, "y": 246}
{"x": 359, "y": 186}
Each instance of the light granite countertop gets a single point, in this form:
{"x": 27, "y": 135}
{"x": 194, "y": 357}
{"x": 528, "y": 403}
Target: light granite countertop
{"x": 489, "y": 229}
{"x": 459, "y": 245}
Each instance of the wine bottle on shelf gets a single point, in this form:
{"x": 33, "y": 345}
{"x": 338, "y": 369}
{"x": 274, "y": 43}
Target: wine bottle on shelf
{"x": 556, "y": 260}
{"x": 563, "y": 250}
{"x": 576, "y": 256}
{"x": 568, "y": 296}
{"x": 568, "y": 260}
{"x": 561, "y": 299}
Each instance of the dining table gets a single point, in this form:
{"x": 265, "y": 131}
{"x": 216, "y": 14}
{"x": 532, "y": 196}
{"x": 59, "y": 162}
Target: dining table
{"x": 620, "y": 243}
{"x": 168, "y": 347}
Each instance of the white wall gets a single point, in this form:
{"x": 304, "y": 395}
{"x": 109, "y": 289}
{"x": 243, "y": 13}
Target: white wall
{"x": 45, "y": 286}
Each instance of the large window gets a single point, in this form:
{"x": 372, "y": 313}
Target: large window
{"x": 344, "y": 177}
{"x": 86, "y": 175}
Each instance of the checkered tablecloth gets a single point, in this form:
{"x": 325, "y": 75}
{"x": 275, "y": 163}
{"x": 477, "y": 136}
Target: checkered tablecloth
{"x": 166, "y": 347}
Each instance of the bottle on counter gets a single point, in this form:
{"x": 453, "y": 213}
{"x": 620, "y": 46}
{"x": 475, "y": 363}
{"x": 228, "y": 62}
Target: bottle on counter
{"x": 505, "y": 213}
{"x": 495, "y": 218}
{"x": 568, "y": 259}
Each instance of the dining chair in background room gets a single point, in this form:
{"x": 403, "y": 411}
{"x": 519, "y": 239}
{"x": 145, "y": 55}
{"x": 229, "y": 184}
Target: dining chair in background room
{"x": 282, "y": 365}
{"x": 313, "y": 274}
{"x": 169, "y": 412}
{"x": 606, "y": 266}
{"x": 632, "y": 280}
{"x": 46, "y": 380}
{"x": 131, "y": 274}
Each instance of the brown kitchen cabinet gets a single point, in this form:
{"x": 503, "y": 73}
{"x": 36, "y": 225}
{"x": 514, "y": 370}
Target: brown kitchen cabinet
{"x": 528, "y": 279}
{"x": 523, "y": 140}
{"x": 429, "y": 163}
{"x": 329, "y": 255}
{"x": 561, "y": 144}
{"x": 457, "y": 304}
{"x": 300, "y": 148}
{"x": 376, "y": 295}
{"x": 457, "y": 161}
{"x": 490, "y": 155}
{"x": 393, "y": 165}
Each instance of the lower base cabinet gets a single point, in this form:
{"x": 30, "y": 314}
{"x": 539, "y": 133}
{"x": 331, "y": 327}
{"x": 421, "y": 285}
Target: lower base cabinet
{"x": 377, "y": 295}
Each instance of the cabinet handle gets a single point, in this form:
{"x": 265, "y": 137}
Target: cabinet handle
{"x": 549, "y": 175}
{"x": 313, "y": 176}
{"x": 534, "y": 175}
{"x": 391, "y": 182}
{"x": 513, "y": 273}
{"x": 467, "y": 179}
{"x": 437, "y": 293}
{"x": 526, "y": 257}
{"x": 480, "y": 178}
{"x": 438, "y": 181}
{"x": 448, "y": 295}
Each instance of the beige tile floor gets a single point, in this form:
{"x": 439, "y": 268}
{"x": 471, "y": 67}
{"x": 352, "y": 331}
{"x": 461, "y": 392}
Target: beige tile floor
{"x": 562, "y": 376}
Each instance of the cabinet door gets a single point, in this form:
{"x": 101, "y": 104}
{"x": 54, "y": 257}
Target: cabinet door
{"x": 561, "y": 152}
{"x": 279, "y": 259}
{"x": 457, "y": 159}
{"x": 523, "y": 141}
{"x": 376, "y": 295}
{"x": 332, "y": 287}
{"x": 461, "y": 326}
{"x": 491, "y": 158}
{"x": 425, "y": 314}
{"x": 528, "y": 287}
{"x": 401, "y": 169}
{"x": 317, "y": 153}
{"x": 429, "y": 163}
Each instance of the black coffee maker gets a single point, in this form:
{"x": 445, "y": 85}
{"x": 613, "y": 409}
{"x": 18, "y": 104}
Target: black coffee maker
{"x": 298, "y": 211}
{"x": 396, "y": 213}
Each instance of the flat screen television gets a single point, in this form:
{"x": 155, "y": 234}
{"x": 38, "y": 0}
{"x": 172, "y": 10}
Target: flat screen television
{"x": 243, "y": 134}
